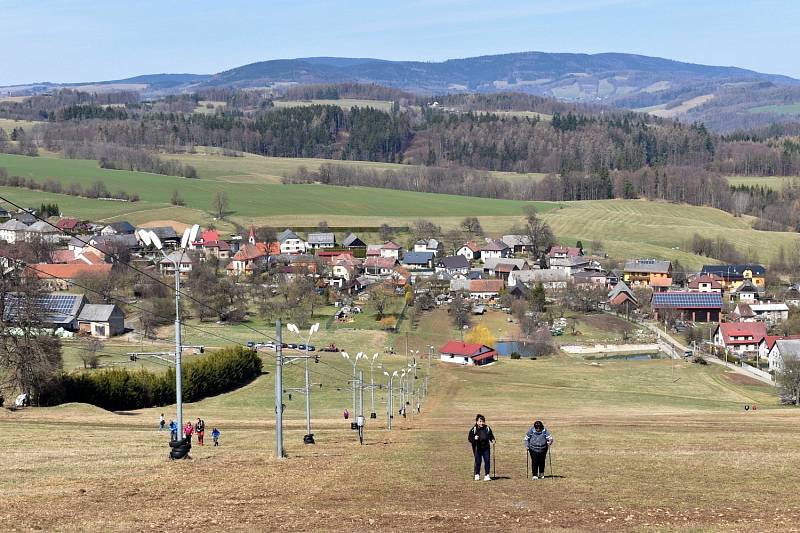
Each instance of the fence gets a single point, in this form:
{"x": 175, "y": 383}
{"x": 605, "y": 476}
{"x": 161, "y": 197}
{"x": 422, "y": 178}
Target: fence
{"x": 757, "y": 372}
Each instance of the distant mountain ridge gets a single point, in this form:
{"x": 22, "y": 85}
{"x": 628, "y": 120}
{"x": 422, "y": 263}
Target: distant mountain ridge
{"x": 671, "y": 88}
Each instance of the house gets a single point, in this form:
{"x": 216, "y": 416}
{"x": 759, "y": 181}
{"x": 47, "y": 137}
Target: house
{"x": 113, "y": 244}
{"x": 766, "y": 344}
{"x": 549, "y": 278}
{"x": 571, "y": 264}
{"x": 485, "y": 289}
{"x": 101, "y": 320}
{"x": 694, "y": 306}
{"x": 706, "y": 283}
{"x": 502, "y": 270}
{"x": 770, "y": 312}
{"x": 167, "y": 235}
{"x": 26, "y": 217}
{"x": 649, "y": 272}
{"x": 589, "y": 277}
{"x": 345, "y": 267}
{"x": 390, "y": 249}
{"x": 184, "y": 260}
{"x": 71, "y": 225}
{"x": 734, "y": 275}
{"x": 562, "y": 252}
{"x": 118, "y": 228}
{"x": 518, "y": 243}
{"x": 783, "y": 350}
{"x": 379, "y": 266}
{"x": 454, "y": 264}
{"x": 13, "y": 231}
{"x": 61, "y": 277}
{"x": 58, "y": 310}
{"x": 418, "y": 260}
{"x": 428, "y": 245}
{"x": 352, "y": 241}
{"x": 218, "y": 249}
{"x": 739, "y": 337}
{"x": 470, "y": 250}
{"x": 743, "y": 313}
{"x": 746, "y": 292}
{"x": 291, "y": 243}
{"x": 321, "y": 240}
{"x": 622, "y": 297}
{"x": 792, "y": 296}
{"x": 467, "y": 354}
{"x": 43, "y": 230}
{"x": 373, "y": 250}
{"x": 495, "y": 249}
{"x": 490, "y": 265}
{"x": 248, "y": 259}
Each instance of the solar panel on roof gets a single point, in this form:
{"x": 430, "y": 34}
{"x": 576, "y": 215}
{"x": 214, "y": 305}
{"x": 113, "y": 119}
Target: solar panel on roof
{"x": 687, "y": 300}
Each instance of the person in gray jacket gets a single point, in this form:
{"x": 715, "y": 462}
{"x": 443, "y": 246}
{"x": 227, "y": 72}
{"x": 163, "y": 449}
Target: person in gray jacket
{"x": 538, "y": 440}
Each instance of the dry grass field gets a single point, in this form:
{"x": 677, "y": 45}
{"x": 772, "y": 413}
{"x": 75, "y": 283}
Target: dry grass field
{"x": 635, "y": 451}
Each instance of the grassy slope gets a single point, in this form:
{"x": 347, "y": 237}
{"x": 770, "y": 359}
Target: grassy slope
{"x": 777, "y": 109}
{"x": 770, "y": 182}
{"x": 632, "y": 443}
{"x": 9, "y": 124}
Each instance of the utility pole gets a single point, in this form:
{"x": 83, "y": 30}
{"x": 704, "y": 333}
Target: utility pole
{"x": 309, "y": 438}
{"x": 178, "y": 350}
{"x": 361, "y": 393}
{"x": 279, "y": 390}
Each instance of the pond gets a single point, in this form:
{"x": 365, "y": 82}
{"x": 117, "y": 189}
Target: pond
{"x": 508, "y": 347}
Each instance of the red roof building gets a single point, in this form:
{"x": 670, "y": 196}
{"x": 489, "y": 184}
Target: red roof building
{"x": 61, "y": 276}
{"x": 564, "y": 251}
{"x": 706, "y": 283}
{"x": 740, "y": 337}
{"x": 468, "y": 354}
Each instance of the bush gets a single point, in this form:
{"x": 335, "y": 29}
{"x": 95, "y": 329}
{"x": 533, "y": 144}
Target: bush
{"x": 118, "y": 389}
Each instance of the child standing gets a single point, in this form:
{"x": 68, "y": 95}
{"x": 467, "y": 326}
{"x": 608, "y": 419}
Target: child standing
{"x": 173, "y": 430}
{"x": 215, "y": 436}
{"x": 161, "y": 422}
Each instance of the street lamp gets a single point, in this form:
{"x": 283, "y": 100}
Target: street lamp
{"x": 309, "y": 437}
{"x": 372, "y": 413}
{"x": 359, "y": 355}
{"x": 390, "y": 399}
{"x": 149, "y": 238}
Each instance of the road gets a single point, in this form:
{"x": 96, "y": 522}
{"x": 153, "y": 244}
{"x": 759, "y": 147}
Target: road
{"x": 679, "y": 349}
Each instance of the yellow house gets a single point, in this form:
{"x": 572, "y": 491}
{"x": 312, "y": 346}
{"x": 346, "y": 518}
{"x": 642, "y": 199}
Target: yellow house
{"x": 649, "y": 272}
{"x": 732, "y": 276}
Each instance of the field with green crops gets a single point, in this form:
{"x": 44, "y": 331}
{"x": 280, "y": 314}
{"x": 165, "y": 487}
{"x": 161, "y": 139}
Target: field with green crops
{"x": 770, "y": 182}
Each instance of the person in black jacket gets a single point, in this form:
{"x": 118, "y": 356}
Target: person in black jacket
{"x": 481, "y": 438}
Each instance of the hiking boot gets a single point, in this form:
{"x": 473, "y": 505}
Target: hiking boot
{"x": 487, "y": 478}
{"x": 477, "y": 477}
{"x": 541, "y": 477}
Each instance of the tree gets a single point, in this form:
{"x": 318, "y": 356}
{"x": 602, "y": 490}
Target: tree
{"x": 176, "y": 198}
{"x": 480, "y": 334}
{"x": 220, "y": 204}
{"x": 472, "y": 226}
{"x": 322, "y": 226}
{"x": 379, "y": 300}
{"x": 789, "y": 380}
{"x": 453, "y": 239}
{"x": 425, "y": 229}
{"x": 538, "y": 231}
{"x": 156, "y": 312}
{"x": 89, "y": 355}
{"x": 265, "y": 234}
{"x": 538, "y": 298}
{"x": 29, "y": 357}
{"x": 385, "y": 232}
{"x": 459, "y": 310}
{"x": 579, "y": 245}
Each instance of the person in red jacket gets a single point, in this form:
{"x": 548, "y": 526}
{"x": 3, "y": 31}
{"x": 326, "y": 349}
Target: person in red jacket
{"x": 188, "y": 429}
{"x": 200, "y": 430}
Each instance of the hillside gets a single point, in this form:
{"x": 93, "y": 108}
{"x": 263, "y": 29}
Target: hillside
{"x": 623, "y": 80}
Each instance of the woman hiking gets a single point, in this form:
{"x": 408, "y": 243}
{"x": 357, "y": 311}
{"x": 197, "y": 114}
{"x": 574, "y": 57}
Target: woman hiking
{"x": 481, "y": 438}
{"x": 538, "y": 440}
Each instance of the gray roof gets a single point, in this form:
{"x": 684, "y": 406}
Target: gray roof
{"x": 492, "y": 262}
{"x": 352, "y": 238}
{"x": 13, "y": 225}
{"x": 788, "y": 348}
{"x": 495, "y": 246}
{"x": 454, "y": 261}
{"x": 621, "y": 287}
{"x": 517, "y": 240}
{"x": 546, "y": 275}
{"x": 42, "y": 227}
{"x": 287, "y": 234}
{"x": 176, "y": 257}
{"x": 571, "y": 261}
{"x": 122, "y": 227}
{"x": 321, "y": 238}
{"x": 98, "y": 312}
{"x": 459, "y": 285}
{"x": 25, "y": 218}
{"x": 126, "y": 239}
{"x": 648, "y": 265}
{"x": 165, "y": 232}
{"x": 417, "y": 258}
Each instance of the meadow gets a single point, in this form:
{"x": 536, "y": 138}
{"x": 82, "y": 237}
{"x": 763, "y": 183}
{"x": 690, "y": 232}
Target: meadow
{"x": 8, "y": 124}
{"x": 636, "y": 449}
{"x": 775, "y": 183}
{"x": 777, "y": 109}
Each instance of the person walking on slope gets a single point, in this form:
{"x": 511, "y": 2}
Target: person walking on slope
{"x": 215, "y": 436}
{"x": 538, "y": 440}
{"x": 188, "y": 429}
{"x": 173, "y": 430}
{"x": 200, "y": 429}
{"x": 161, "y": 422}
{"x": 480, "y": 436}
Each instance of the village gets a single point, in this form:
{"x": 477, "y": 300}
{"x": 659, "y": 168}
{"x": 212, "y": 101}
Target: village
{"x": 724, "y": 311}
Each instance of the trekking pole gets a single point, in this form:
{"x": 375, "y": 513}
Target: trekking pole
{"x": 494, "y": 463}
{"x": 550, "y": 455}
{"x": 527, "y": 467}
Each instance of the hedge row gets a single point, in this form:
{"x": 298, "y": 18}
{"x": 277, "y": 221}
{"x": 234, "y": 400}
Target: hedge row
{"x": 118, "y": 389}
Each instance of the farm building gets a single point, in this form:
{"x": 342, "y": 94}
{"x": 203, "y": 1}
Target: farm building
{"x": 734, "y": 275}
{"x": 101, "y": 320}
{"x": 694, "y": 306}
{"x": 467, "y": 354}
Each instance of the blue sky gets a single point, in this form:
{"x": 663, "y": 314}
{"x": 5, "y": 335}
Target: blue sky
{"x": 92, "y": 40}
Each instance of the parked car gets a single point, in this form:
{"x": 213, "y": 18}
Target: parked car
{"x": 251, "y": 344}
{"x": 291, "y": 346}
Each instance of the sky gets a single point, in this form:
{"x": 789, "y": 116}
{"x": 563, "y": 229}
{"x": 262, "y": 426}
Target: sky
{"x": 96, "y": 40}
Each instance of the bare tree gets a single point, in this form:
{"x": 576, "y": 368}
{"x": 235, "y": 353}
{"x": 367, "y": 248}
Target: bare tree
{"x": 220, "y": 204}
{"x": 385, "y": 232}
{"x": 789, "y": 380}
{"x": 90, "y": 357}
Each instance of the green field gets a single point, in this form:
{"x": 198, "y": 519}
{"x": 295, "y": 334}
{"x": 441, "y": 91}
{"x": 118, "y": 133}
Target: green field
{"x": 777, "y": 109}
{"x": 344, "y": 103}
{"x": 8, "y": 124}
{"x": 771, "y": 182}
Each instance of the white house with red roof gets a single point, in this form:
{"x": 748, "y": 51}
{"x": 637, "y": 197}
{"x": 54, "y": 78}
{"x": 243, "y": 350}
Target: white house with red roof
{"x": 495, "y": 249}
{"x": 562, "y": 252}
{"x": 467, "y": 354}
{"x": 470, "y": 250}
{"x": 740, "y": 337}
{"x": 706, "y": 283}
{"x": 391, "y": 249}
